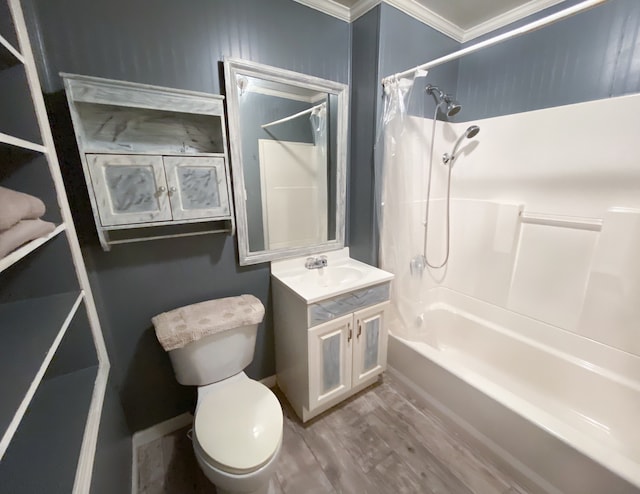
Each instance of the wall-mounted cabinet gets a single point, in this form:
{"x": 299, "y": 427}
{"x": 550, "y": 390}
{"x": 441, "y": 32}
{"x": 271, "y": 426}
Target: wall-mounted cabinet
{"x": 132, "y": 189}
{"x": 152, "y": 157}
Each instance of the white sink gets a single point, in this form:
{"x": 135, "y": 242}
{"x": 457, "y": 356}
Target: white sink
{"x": 342, "y": 274}
{"x": 332, "y": 275}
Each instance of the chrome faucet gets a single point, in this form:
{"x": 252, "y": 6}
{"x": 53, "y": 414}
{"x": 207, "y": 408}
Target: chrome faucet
{"x": 316, "y": 262}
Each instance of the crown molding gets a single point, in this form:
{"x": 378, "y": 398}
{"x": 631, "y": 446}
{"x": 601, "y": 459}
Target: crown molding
{"x": 409, "y": 7}
{"x": 427, "y": 16}
{"x": 507, "y": 18}
{"x": 329, "y": 7}
{"x": 361, "y": 7}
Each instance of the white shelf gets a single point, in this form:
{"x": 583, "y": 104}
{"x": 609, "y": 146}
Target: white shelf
{"x": 31, "y": 331}
{"x": 50, "y": 437}
{"x": 11, "y": 49}
{"x": 18, "y": 254}
{"x": 22, "y": 143}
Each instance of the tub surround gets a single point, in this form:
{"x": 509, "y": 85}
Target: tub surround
{"x": 577, "y": 270}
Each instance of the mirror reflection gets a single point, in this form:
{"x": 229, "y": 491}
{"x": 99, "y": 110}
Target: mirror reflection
{"x": 287, "y": 142}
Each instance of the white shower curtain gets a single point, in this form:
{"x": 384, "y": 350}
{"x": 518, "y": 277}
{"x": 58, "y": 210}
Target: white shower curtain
{"x": 318, "y": 121}
{"x": 402, "y": 173}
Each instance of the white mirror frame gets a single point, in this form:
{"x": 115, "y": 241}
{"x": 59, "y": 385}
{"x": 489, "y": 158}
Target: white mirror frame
{"x": 234, "y": 67}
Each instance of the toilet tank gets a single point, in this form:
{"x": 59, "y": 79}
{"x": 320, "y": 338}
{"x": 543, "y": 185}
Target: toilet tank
{"x": 216, "y": 357}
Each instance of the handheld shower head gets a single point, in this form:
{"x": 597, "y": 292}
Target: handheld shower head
{"x": 470, "y": 133}
{"x": 452, "y": 107}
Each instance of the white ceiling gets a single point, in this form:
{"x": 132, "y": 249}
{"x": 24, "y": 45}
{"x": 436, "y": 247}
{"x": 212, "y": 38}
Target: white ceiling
{"x": 462, "y": 20}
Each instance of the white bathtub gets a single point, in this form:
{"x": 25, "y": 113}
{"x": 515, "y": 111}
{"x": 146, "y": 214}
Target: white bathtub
{"x": 562, "y": 410}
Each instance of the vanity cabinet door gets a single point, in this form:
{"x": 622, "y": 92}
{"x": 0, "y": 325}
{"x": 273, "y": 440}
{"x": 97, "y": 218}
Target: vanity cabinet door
{"x": 129, "y": 188}
{"x": 370, "y": 343}
{"x": 197, "y": 187}
{"x": 330, "y": 357}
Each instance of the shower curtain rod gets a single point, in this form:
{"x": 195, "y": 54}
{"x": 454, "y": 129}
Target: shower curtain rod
{"x": 527, "y": 28}
{"x": 291, "y": 117}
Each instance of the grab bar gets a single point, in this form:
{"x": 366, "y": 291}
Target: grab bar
{"x": 576, "y": 222}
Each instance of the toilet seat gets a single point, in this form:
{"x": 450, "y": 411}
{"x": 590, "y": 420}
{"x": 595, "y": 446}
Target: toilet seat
{"x": 238, "y": 425}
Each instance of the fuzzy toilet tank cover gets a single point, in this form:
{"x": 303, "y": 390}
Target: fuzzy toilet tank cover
{"x": 187, "y": 324}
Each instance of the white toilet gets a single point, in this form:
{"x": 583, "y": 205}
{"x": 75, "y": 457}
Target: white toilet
{"x": 237, "y": 431}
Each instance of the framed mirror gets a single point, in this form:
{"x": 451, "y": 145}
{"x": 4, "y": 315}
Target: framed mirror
{"x": 288, "y": 140}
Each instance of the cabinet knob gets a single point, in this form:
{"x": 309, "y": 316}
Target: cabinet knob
{"x": 161, "y": 190}
{"x": 350, "y": 333}
{"x": 359, "y": 329}
{"x": 172, "y": 190}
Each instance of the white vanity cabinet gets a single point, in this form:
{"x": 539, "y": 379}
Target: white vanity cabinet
{"x": 331, "y": 338}
{"x": 152, "y": 157}
{"x": 346, "y": 353}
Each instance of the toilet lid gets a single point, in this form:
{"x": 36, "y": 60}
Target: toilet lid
{"x": 240, "y": 425}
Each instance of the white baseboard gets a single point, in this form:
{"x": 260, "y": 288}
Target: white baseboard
{"x": 162, "y": 429}
{"x": 154, "y": 432}
{"x": 269, "y": 382}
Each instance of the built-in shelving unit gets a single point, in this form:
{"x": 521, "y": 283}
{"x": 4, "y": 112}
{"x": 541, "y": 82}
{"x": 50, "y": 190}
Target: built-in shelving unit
{"x": 50, "y": 439}
{"x": 31, "y": 328}
{"x": 21, "y": 143}
{"x": 15, "y": 256}
{"x": 53, "y": 362}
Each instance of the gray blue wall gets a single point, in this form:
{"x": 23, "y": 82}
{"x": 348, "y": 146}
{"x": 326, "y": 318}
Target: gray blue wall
{"x": 181, "y": 45}
{"x": 385, "y": 41}
{"x": 364, "y": 70}
{"x": 590, "y": 56}
{"x": 417, "y": 44}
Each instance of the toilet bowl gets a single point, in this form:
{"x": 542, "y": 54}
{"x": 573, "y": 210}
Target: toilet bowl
{"x": 237, "y": 434}
{"x": 237, "y": 430}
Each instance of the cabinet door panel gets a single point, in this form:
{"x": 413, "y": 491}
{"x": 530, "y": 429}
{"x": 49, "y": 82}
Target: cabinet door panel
{"x": 370, "y": 350}
{"x": 330, "y": 355}
{"x": 197, "y": 187}
{"x": 129, "y": 189}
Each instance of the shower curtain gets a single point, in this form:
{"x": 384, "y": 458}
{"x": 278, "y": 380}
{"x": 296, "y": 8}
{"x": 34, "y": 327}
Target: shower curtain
{"x": 401, "y": 172}
{"x": 318, "y": 121}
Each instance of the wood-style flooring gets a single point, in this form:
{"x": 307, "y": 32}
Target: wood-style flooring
{"x": 382, "y": 441}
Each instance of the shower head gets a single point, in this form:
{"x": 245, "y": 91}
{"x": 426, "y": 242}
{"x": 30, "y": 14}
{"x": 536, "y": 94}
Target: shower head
{"x": 470, "y": 133}
{"x": 452, "y": 107}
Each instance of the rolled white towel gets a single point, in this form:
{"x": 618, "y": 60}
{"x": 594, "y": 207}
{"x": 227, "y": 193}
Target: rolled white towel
{"x": 22, "y": 232}
{"x": 16, "y": 206}
{"x": 184, "y": 325}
